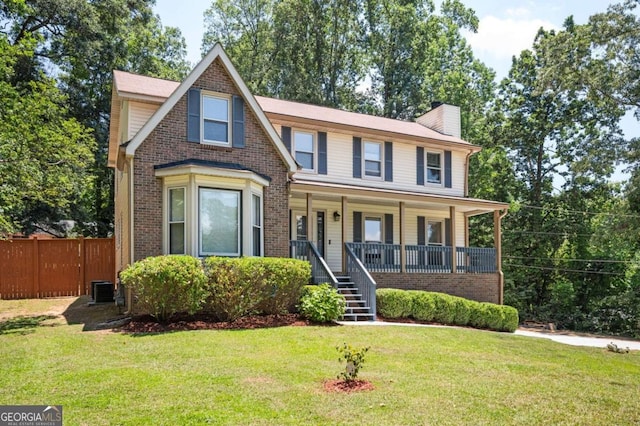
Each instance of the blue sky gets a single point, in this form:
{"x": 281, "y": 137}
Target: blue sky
{"x": 506, "y": 28}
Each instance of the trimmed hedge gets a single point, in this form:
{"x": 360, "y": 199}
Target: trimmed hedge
{"x": 445, "y": 309}
{"x": 254, "y": 285}
{"x": 322, "y": 303}
{"x": 166, "y": 285}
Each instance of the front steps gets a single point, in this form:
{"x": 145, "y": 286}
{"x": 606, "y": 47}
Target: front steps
{"x": 357, "y": 309}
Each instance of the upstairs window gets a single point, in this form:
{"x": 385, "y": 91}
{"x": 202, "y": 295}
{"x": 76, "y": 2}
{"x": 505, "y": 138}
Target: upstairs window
{"x": 434, "y": 168}
{"x": 304, "y": 149}
{"x": 373, "y": 159}
{"x": 215, "y": 119}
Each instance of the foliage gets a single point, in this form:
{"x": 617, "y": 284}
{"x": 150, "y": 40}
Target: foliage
{"x": 445, "y": 309}
{"x": 322, "y": 303}
{"x": 243, "y": 286}
{"x": 353, "y": 358}
{"x": 166, "y": 285}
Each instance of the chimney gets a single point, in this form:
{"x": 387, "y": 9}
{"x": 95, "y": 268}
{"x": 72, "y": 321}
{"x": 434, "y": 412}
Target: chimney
{"x": 442, "y": 118}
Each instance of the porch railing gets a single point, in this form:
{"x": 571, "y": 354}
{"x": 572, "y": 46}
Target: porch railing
{"x": 360, "y": 276}
{"x": 377, "y": 257}
{"x": 320, "y": 272}
{"x": 435, "y": 259}
{"x": 476, "y": 260}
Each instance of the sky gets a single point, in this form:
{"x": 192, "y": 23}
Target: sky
{"x": 506, "y": 28}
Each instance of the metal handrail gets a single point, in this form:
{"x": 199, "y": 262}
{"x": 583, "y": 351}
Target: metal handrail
{"x": 319, "y": 268}
{"x": 363, "y": 281}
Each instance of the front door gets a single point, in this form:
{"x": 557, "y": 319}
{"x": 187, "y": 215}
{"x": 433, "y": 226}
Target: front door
{"x": 299, "y": 228}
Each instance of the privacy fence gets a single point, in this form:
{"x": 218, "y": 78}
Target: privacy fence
{"x": 36, "y": 268}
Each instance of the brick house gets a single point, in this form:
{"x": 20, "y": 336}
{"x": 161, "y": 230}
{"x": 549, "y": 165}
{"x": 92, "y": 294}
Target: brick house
{"x": 204, "y": 167}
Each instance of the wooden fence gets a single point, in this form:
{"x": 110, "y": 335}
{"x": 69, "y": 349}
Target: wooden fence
{"x": 36, "y": 268}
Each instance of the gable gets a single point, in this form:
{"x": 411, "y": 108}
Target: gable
{"x": 215, "y": 70}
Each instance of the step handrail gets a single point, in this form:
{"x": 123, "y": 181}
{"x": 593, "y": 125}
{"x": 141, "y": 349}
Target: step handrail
{"x": 363, "y": 281}
{"x": 319, "y": 269}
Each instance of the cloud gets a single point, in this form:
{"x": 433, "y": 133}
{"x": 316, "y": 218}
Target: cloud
{"x": 502, "y": 38}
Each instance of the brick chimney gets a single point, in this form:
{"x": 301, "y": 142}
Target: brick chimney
{"x": 442, "y": 118}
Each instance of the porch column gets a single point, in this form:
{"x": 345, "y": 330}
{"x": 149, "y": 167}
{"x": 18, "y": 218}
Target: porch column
{"x": 452, "y": 232}
{"x": 497, "y": 238}
{"x": 345, "y": 217}
{"x": 403, "y": 240}
{"x": 309, "y": 217}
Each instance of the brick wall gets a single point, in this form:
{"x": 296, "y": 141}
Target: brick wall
{"x": 167, "y": 143}
{"x": 480, "y": 287}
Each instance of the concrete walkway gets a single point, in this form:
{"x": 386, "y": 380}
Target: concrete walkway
{"x": 567, "y": 339}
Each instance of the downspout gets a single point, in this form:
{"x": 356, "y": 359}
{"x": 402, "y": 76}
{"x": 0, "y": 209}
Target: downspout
{"x": 129, "y": 295}
{"x": 466, "y": 173}
{"x": 499, "y": 255}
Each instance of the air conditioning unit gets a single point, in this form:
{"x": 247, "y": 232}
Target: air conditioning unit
{"x": 102, "y": 291}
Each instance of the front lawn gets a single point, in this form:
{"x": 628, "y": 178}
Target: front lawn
{"x": 422, "y": 375}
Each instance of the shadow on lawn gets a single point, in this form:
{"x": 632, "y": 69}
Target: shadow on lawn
{"x": 24, "y": 324}
{"x": 92, "y": 316}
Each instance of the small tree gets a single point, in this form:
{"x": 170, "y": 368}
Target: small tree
{"x": 354, "y": 358}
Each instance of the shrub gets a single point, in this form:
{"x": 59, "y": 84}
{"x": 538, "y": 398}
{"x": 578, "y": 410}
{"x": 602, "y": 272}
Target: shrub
{"x": 353, "y": 358}
{"x": 166, "y": 285}
{"x": 244, "y": 286}
{"x": 461, "y": 310}
{"x": 478, "y": 316}
{"x": 443, "y": 308}
{"x": 393, "y": 303}
{"x": 423, "y": 307}
{"x": 494, "y": 317}
{"x": 510, "y": 319}
{"x": 322, "y": 303}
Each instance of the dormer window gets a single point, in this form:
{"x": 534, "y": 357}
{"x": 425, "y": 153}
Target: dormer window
{"x": 304, "y": 149}
{"x": 215, "y": 119}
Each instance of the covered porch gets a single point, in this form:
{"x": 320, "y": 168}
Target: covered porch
{"x": 394, "y": 234}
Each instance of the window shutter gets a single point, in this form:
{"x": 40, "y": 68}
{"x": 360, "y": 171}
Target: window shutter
{"x": 447, "y": 232}
{"x": 193, "y": 115}
{"x": 421, "y": 231}
{"x": 388, "y": 162}
{"x": 286, "y": 137}
{"x": 357, "y": 227}
{"x": 357, "y": 157}
{"x": 388, "y": 228}
{"x": 322, "y": 153}
{"x": 420, "y": 165}
{"x": 447, "y": 169}
{"x": 237, "y": 110}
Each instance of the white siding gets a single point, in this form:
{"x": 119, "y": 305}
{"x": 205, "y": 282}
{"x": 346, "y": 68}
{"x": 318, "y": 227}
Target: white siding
{"x": 139, "y": 114}
{"x": 340, "y": 167}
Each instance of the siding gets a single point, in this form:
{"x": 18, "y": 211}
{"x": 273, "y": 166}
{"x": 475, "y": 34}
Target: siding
{"x": 139, "y": 113}
{"x": 121, "y": 210}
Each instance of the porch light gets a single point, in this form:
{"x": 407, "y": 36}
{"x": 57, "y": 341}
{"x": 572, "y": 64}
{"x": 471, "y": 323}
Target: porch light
{"x": 336, "y": 216}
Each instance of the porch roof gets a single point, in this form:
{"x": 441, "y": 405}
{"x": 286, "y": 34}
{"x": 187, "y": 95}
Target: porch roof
{"x": 470, "y": 206}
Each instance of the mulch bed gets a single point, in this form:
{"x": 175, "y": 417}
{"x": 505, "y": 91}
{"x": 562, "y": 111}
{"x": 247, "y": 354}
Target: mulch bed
{"x": 338, "y": 385}
{"x": 147, "y": 324}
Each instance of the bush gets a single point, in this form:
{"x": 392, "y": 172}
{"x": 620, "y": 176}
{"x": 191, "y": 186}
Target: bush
{"x": 446, "y": 309}
{"x": 244, "y": 286}
{"x": 393, "y": 303}
{"x": 166, "y": 285}
{"x": 322, "y": 303}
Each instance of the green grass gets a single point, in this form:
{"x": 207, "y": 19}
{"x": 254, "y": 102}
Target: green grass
{"x": 439, "y": 376}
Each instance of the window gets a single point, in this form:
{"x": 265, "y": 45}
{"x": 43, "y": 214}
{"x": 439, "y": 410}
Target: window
{"x": 176, "y": 221}
{"x": 215, "y": 119}
{"x": 256, "y": 224}
{"x": 373, "y": 229}
{"x": 434, "y": 238}
{"x": 304, "y": 149}
{"x": 373, "y": 159}
{"x": 219, "y": 220}
{"x": 434, "y": 167}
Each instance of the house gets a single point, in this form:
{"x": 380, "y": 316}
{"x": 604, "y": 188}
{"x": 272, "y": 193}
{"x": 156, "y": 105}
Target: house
{"x": 204, "y": 167}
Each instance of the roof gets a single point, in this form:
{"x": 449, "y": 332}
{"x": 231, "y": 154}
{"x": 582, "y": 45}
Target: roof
{"x": 353, "y": 119}
{"x": 151, "y": 88}
{"x": 209, "y": 163}
{"x": 217, "y": 52}
{"x": 136, "y": 86}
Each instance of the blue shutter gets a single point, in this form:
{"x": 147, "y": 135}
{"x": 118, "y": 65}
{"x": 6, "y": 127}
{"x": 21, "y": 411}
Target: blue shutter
{"x": 388, "y": 228}
{"x": 193, "y": 115}
{"x": 357, "y": 227}
{"x": 322, "y": 153}
{"x": 447, "y": 169}
{"x": 447, "y": 232}
{"x": 421, "y": 231}
{"x": 286, "y": 137}
{"x": 357, "y": 157}
{"x": 237, "y": 110}
{"x": 388, "y": 162}
{"x": 420, "y": 165}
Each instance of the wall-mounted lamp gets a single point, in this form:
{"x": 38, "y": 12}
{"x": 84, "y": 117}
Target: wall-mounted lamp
{"x": 336, "y": 216}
